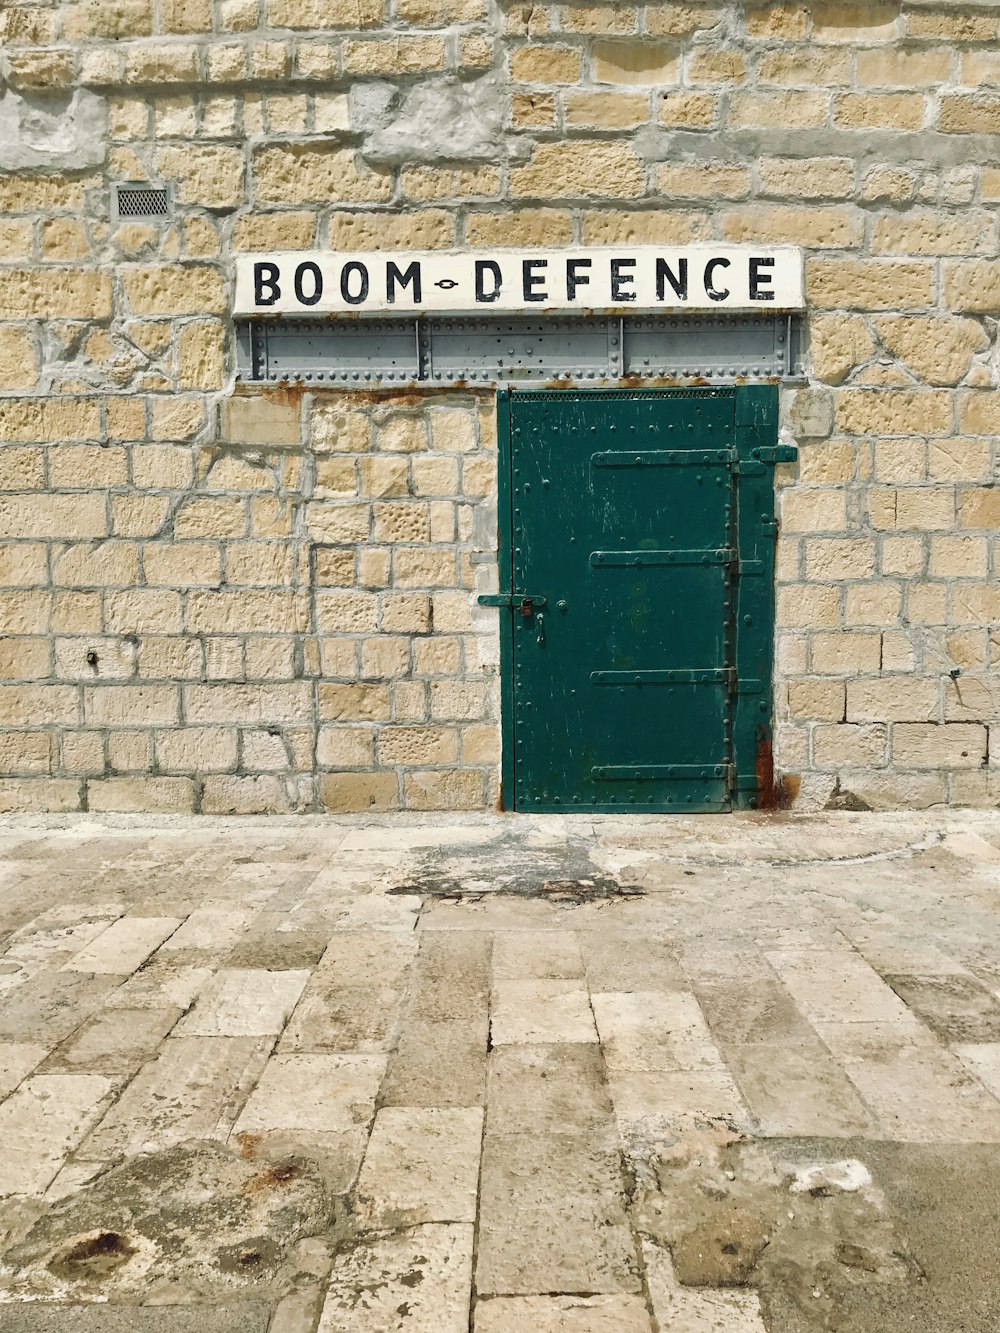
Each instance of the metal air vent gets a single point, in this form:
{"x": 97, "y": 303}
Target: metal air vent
{"x": 141, "y": 199}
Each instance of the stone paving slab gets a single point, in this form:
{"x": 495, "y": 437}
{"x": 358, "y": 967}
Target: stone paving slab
{"x": 422, "y": 1165}
{"x": 244, "y": 1003}
{"x": 42, "y": 1122}
{"x": 234, "y": 1317}
{"x": 563, "y": 1314}
{"x": 124, "y": 946}
{"x": 192, "y": 1089}
{"x": 419, "y": 1280}
{"x": 518, "y": 1066}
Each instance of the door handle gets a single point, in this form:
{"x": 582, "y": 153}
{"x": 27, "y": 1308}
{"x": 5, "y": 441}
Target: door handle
{"x": 540, "y": 623}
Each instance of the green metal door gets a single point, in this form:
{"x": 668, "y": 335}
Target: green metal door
{"x": 637, "y": 646}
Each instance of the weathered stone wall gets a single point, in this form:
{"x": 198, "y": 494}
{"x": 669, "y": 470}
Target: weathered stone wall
{"x": 242, "y": 601}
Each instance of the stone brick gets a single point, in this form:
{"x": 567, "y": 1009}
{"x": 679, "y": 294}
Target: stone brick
{"x": 313, "y": 14}
{"x": 417, "y": 745}
{"x": 939, "y": 351}
{"x": 303, "y": 173}
{"x": 838, "y": 228}
{"x": 545, "y": 64}
{"x": 59, "y": 517}
{"x": 209, "y": 176}
{"x": 454, "y": 789}
{"x": 958, "y": 557}
{"x": 972, "y": 286}
{"x": 817, "y": 700}
{"x": 24, "y": 705}
{"x": 604, "y": 110}
{"x": 684, "y": 110}
{"x": 807, "y": 178}
{"x": 157, "y": 63}
{"x": 23, "y": 564}
{"x": 807, "y": 605}
{"x": 480, "y": 744}
{"x": 888, "y": 183}
{"x": 354, "y": 703}
{"x": 979, "y": 413}
{"x": 805, "y": 67}
{"x": 66, "y": 293}
{"x": 527, "y": 227}
{"x": 933, "y": 232}
{"x": 230, "y": 795}
{"x": 703, "y": 180}
{"x": 979, "y": 509}
{"x": 849, "y": 746}
{"x": 616, "y": 226}
{"x": 427, "y": 14}
{"x": 642, "y": 63}
{"x": 786, "y": 109}
{"x": 347, "y": 793}
{"x": 394, "y": 56}
{"x": 174, "y": 290}
{"x": 953, "y": 745}
{"x": 785, "y": 19}
{"x": 958, "y": 459}
{"x": 879, "y": 111}
{"x": 263, "y": 420}
{"x": 864, "y": 284}
{"x": 274, "y": 231}
{"x": 605, "y": 167}
{"x": 897, "y": 699}
{"x": 673, "y": 18}
{"x": 951, "y": 25}
{"x": 894, "y": 412}
{"x": 970, "y": 113}
{"x": 407, "y": 612}
{"x": 888, "y": 67}
{"x": 837, "y": 345}
{"x": 821, "y": 509}
{"x": 840, "y": 558}
{"x": 846, "y": 654}
{"x": 200, "y": 355}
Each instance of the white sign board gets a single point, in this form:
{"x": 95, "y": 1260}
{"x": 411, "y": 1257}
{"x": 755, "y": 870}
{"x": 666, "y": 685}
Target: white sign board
{"x": 623, "y": 279}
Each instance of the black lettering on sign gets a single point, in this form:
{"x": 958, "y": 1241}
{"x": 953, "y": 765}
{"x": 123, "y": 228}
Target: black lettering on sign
{"x": 265, "y": 284}
{"x": 759, "y": 280}
{"x": 575, "y": 279}
{"x": 484, "y": 267}
{"x": 715, "y": 293}
{"x": 393, "y": 275}
{"x": 531, "y": 279}
{"x": 349, "y": 270}
{"x": 316, "y": 283}
{"x": 678, "y": 282}
{"x": 620, "y": 280}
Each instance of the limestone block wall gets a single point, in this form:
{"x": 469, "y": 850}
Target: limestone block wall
{"x": 219, "y": 598}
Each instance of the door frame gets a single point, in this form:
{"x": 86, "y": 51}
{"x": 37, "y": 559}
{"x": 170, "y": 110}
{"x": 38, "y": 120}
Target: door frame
{"x": 752, "y": 626}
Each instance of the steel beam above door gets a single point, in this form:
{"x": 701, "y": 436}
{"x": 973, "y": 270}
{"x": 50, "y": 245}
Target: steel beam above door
{"x": 576, "y": 351}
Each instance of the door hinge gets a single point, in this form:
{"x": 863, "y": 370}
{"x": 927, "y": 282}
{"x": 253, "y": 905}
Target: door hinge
{"x": 776, "y": 453}
{"x": 743, "y": 568}
{"x": 766, "y": 455}
{"x": 744, "y": 684}
{"x": 517, "y": 601}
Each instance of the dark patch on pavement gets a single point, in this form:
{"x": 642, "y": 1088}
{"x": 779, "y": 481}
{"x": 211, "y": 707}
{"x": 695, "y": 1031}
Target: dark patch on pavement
{"x": 562, "y": 873}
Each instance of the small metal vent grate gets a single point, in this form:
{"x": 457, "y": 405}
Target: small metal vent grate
{"x": 142, "y": 201}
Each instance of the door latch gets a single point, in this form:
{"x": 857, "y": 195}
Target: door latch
{"x": 518, "y": 601}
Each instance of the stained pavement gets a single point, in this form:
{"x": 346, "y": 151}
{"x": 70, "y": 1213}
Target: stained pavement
{"x": 500, "y": 1075}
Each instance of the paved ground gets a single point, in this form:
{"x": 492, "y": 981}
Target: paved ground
{"x": 508, "y": 1075}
